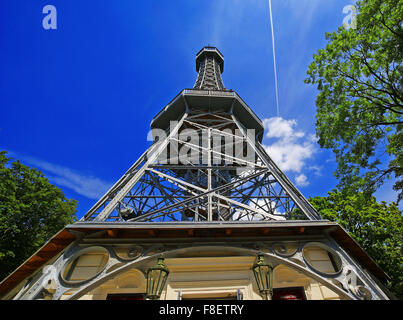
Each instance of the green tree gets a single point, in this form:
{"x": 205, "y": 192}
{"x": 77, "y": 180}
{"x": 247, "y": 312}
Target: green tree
{"x": 377, "y": 228}
{"x": 31, "y": 211}
{"x": 359, "y": 76}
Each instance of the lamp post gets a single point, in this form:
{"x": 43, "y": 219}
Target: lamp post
{"x": 264, "y": 276}
{"x": 156, "y": 279}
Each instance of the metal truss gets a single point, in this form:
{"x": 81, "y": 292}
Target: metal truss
{"x": 207, "y": 167}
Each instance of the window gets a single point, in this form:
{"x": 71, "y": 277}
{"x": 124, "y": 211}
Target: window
{"x": 85, "y": 266}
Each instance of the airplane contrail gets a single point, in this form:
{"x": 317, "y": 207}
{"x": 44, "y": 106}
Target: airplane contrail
{"x": 274, "y": 59}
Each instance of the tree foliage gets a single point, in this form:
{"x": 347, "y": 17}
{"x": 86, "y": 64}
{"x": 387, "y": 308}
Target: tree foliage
{"x": 31, "y": 211}
{"x": 377, "y": 228}
{"x": 359, "y": 75}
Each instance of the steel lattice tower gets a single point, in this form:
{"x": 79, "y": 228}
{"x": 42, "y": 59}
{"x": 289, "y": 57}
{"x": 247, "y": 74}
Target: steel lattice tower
{"x": 207, "y": 163}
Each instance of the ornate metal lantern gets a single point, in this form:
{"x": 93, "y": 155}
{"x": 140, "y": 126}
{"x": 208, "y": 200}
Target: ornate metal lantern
{"x": 156, "y": 279}
{"x": 264, "y": 276}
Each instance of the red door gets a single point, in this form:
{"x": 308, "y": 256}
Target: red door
{"x": 295, "y": 293}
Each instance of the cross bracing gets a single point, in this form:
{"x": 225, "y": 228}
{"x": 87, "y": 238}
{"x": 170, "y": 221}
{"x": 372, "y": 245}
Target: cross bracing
{"x": 206, "y": 167}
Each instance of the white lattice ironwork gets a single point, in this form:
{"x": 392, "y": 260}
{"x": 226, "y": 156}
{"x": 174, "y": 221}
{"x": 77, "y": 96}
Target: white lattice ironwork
{"x": 200, "y": 172}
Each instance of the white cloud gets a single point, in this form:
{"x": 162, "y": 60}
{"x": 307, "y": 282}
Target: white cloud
{"x": 301, "y": 180}
{"x": 292, "y": 149}
{"x": 85, "y": 185}
{"x": 278, "y": 127}
{"x": 290, "y": 156}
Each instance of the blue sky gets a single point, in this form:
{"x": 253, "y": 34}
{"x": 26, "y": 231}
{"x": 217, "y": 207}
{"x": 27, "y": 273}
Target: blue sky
{"x": 76, "y": 102}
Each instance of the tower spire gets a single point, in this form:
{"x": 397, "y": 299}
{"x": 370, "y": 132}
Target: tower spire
{"x": 209, "y": 65}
